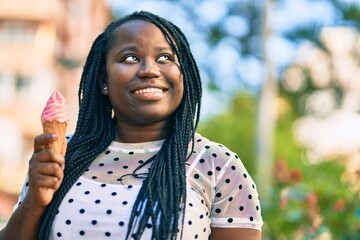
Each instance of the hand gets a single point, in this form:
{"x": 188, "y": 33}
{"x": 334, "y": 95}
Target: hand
{"x": 46, "y": 171}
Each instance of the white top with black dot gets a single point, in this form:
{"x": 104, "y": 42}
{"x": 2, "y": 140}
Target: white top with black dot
{"x": 220, "y": 193}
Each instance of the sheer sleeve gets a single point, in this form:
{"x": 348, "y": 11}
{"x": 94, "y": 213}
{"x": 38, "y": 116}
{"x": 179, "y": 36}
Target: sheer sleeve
{"x": 236, "y": 201}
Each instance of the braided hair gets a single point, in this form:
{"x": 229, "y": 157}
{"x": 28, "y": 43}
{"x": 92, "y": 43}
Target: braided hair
{"x": 164, "y": 207}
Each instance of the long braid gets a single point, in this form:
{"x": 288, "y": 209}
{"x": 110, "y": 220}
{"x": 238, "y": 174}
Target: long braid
{"x": 95, "y": 131}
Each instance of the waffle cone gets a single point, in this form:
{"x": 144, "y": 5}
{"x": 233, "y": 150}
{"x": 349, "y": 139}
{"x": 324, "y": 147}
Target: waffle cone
{"x": 58, "y": 128}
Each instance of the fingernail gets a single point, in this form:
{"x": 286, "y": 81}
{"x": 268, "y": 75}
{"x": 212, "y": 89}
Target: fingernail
{"x": 54, "y": 135}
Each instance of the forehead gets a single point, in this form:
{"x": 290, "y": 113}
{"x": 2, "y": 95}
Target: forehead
{"x": 138, "y": 30}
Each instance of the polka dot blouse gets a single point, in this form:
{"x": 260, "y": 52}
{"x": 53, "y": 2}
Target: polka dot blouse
{"x": 220, "y": 193}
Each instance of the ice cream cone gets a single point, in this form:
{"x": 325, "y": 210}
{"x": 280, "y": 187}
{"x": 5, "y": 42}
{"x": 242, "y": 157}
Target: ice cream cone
{"x": 58, "y": 128}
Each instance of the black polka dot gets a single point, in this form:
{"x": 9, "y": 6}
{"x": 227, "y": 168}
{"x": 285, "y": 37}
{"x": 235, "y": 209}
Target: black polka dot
{"x": 87, "y": 192}
{"x": 201, "y": 216}
{"x": 93, "y": 222}
{"x": 86, "y": 170}
{"x": 27, "y": 184}
{"x": 196, "y": 176}
{"x": 116, "y": 159}
{"x": 218, "y": 194}
{"x": 230, "y": 220}
{"x": 227, "y": 154}
{"x": 124, "y": 202}
{"x": 131, "y": 153}
{"x": 190, "y": 204}
{"x": 82, "y": 211}
{"x": 214, "y": 155}
{"x": 119, "y": 179}
{"x": 130, "y": 186}
{"x": 97, "y": 201}
{"x": 207, "y": 147}
{"x": 82, "y": 233}
{"x": 108, "y": 234}
{"x": 108, "y": 211}
{"x": 149, "y": 225}
{"x": 245, "y": 176}
{"x": 107, "y": 152}
{"x": 125, "y": 167}
{"x": 241, "y": 208}
{"x": 236, "y": 156}
{"x": 227, "y": 180}
{"x": 204, "y": 230}
{"x": 230, "y": 199}
{"x": 210, "y": 173}
{"x": 101, "y": 164}
{"x": 113, "y": 194}
{"x": 199, "y": 140}
{"x": 68, "y": 222}
{"x": 218, "y": 168}
{"x": 253, "y": 186}
{"x": 103, "y": 185}
{"x": 78, "y": 183}
{"x": 250, "y": 197}
{"x": 196, "y": 236}
{"x": 59, "y": 234}
{"x": 251, "y": 219}
{"x": 218, "y": 210}
{"x": 94, "y": 177}
{"x": 257, "y": 208}
{"x": 57, "y": 211}
{"x": 189, "y": 222}
{"x": 202, "y": 160}
{"x": 233, "y": 167}
{"x": 110, "y": 172}
{"x": 140, "y": 161}
{"x": 71, "y": 200}
{"x": 240, "y": 186}
{"x": 121, "y": 223}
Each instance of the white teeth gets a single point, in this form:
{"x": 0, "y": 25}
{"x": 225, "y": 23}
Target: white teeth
{"x": 148, "y": 90}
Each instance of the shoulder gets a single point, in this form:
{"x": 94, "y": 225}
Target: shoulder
{"x": 212, "y": 149}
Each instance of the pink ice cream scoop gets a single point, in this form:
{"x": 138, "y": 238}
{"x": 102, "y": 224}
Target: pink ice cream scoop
{"x": 55, "y": 109}
{"x": 54, "y": 119}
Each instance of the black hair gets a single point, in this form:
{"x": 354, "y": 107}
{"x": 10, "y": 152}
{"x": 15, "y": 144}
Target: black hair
{"x": 164, "y": 207}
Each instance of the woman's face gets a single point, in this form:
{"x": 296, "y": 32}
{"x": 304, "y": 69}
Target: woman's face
{"x": 143, "y": 78}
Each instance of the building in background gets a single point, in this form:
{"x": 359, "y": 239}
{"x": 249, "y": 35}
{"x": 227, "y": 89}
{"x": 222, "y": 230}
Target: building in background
{"x": 43, "y": 46}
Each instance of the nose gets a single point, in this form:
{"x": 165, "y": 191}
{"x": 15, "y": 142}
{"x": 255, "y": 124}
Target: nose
{"x": 148, "y": 69}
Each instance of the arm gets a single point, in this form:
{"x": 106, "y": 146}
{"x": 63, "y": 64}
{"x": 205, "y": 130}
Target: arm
{"x": 45, "y": 177}
{"x": 235, "y": 234}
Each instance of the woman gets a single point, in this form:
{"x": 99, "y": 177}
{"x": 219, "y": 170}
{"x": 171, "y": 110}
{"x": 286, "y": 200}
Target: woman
{"x": 135, "y": 167}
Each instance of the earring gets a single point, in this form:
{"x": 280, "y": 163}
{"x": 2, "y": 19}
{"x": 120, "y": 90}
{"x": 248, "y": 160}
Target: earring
{"x": 105, "y": 88}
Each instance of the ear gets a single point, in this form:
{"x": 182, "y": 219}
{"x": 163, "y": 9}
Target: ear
{"x": 103, "y": 84}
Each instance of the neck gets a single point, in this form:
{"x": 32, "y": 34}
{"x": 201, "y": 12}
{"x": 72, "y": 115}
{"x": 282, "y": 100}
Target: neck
{"x": 131, "y": 134}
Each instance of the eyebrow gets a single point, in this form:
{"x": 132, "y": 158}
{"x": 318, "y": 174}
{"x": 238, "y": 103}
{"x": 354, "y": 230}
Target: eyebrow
{"x": 133, "y": 48}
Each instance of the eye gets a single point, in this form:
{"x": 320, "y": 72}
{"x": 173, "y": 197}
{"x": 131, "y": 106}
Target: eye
{"x": 164, "y": 58}
{"x": 130, "y": 59}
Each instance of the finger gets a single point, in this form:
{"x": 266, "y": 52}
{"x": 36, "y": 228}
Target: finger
{"x": 43, "y": 140}
{"x": 50, "y": 169}
{"x": 42, "y": 181}
{"x": 47, "y": 155}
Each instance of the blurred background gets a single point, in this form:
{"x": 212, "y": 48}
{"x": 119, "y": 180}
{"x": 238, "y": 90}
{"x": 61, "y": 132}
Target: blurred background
{"x": 281, "y": 88}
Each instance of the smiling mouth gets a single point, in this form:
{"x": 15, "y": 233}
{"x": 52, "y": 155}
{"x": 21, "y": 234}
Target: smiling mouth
{"x": 149, "y": 90}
